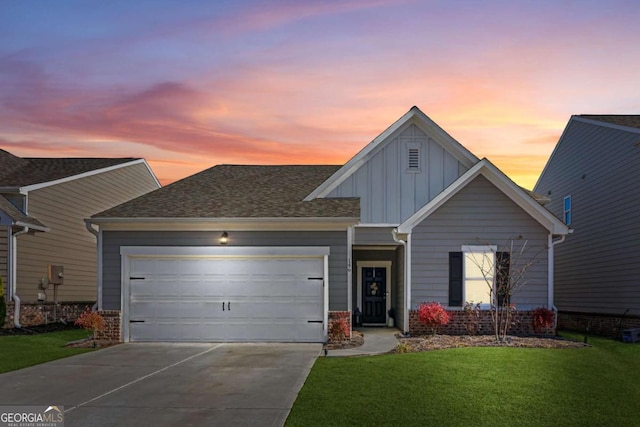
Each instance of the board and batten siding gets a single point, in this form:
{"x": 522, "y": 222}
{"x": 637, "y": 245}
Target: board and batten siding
{"x": 597, "y": 268}
{"x": 478, "y": 214}
{"x": 63, "y": 208}
{"x": 114, "y": 240}
{"x": 389, "y": 192}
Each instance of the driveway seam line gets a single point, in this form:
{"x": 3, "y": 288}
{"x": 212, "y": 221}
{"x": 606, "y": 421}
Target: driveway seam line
{"x": 140, "y": 379}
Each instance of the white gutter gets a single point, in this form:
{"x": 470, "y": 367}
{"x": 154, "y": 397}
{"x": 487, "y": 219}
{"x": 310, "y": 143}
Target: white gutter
{"x": 350, "y": 232}
{"x": 550, "y": 273}
{"x": 13, "y": 253}
{"x": 407, "y": 276}
{"x": 98, "y": 304}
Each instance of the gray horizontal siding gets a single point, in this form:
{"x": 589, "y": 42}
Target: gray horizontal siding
{"x": 479, "y": 214}
{"x": 598, "y": 266}
{"x": 113, "y": 240}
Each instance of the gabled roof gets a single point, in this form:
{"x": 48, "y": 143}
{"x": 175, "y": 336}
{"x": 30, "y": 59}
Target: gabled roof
{"x": 18, "y": 218}
{"x": 241, "y": 191}
{"x": 413, "y": 116}
{"x": 626, "y": 120}
{"x": 518, "y": 195}
{"x": 17, "y": 172}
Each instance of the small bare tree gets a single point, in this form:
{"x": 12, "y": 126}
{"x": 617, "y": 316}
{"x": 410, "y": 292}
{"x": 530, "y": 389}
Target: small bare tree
{"x": 504, "y": 273}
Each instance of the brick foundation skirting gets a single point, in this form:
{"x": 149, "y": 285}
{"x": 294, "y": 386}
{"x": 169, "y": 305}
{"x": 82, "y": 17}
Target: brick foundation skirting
{"x": 40, "y": 314}
{"x": 608, "y": 325}
{"x": 112, "y": 323}
{"x": 336, "y": 316}
{"x": 461, "y": 324}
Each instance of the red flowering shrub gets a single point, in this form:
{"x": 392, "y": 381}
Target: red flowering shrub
{"x": 433, "y": 315}
{"x": 339, "y": 330}
{"x": 543, "y": 319}
{"x": 91, "y": 321}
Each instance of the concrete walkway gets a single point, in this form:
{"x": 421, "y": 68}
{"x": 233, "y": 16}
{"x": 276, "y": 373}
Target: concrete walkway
{"x": 376, "y": 341}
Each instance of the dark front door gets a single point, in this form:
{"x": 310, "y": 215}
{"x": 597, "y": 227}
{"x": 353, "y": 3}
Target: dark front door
{"x": 374, "y": 294}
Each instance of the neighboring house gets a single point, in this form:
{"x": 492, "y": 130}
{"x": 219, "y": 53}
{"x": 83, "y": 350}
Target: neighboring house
{"x": 593, "y": 180}
{"x": 279, "y": 253}
{"x": 43, "y": 204}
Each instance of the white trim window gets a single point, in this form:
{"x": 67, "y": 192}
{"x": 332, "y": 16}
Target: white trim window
{"x": 478, "y": 273}
{"x": 566, "y": 204}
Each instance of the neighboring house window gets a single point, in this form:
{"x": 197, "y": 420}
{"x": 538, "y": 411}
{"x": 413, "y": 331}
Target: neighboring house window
{"x": 567, "y": 210}
{"x": 474, "y": 272}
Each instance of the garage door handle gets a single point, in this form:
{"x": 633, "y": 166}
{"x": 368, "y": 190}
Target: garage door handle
{"x": 229, "y": 306}
{"x": 136, "y": 321}
{"x": 223, "y": 306}
{"x": 314, "y": 321}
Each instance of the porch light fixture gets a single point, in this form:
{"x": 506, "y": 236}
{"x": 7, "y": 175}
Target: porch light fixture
{"x": 224, "y": 238}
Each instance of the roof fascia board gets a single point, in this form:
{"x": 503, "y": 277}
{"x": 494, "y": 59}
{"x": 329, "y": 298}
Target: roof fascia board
{"x": 526, "y": 202}
{"x": 605, "y": 124}
{"x": 413, "y": 116}
{"x": 504, "y": 184}
{"x": 41, "y": 185}
{"x": 30, "y": 226}
{"x": 227, "y": 224}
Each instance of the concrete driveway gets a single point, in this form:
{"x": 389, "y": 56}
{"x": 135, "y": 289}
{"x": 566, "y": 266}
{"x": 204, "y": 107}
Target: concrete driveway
{"x": 168, "y": 384}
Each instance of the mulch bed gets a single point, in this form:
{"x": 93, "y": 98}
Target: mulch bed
{"x": 439, "y": 342}
{"x": 357, "y": 339}
{"x": 89, "y": 343}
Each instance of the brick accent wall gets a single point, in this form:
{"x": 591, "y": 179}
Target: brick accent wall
{"x": 460, "y": 324}
{"x": 39, "y": 314}
{"x": 599, "y": 324}
{"x": 336, "y": 316}
{"x": 112, "y": 322}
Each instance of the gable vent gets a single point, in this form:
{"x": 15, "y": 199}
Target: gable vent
{"x": 414, "y": 158}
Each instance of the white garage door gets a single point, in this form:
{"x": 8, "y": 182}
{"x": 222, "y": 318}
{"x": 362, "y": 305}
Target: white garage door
{"x": 226, "y": 298}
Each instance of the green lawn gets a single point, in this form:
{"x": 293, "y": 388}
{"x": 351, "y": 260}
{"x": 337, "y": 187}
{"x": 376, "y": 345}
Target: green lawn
{"x": 20, "y": 351}
{"x": 597, "y": 386}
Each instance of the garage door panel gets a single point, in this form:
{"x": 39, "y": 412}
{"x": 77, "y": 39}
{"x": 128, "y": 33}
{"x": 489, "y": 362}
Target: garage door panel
{"x": 226, "y": 299}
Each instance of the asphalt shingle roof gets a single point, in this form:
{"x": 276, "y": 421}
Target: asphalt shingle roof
{"x": 20, "y": 172}
{"x": 241, "y": 191}
{"x": 628, "y": 120}
{"x": 17, "y": 216}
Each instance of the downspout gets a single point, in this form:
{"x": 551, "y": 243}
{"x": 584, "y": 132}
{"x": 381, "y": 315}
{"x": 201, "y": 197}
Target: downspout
{"x": 13, "y": 253}
{"x": 407, "y": 273}
{"x": 550, "y": 273}
{"x": 98, "y": 304}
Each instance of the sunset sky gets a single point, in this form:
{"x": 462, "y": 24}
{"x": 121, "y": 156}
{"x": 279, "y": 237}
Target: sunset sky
{"x": 190, "y": 84}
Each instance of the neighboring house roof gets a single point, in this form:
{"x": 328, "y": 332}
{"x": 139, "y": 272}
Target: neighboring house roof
{"x": 627, "y": 120}
{"x": 18, "y": 218}
{"x": 415, "y": 116}
{"x": 241, "y": 191}
{"x": 21, "y": 172}
{"x": 519, "y": 196}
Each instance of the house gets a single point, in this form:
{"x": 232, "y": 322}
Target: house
{"x": 280, "y": 253}
{"x": 47, "y": 255}
{"x": 592, "y": 178}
